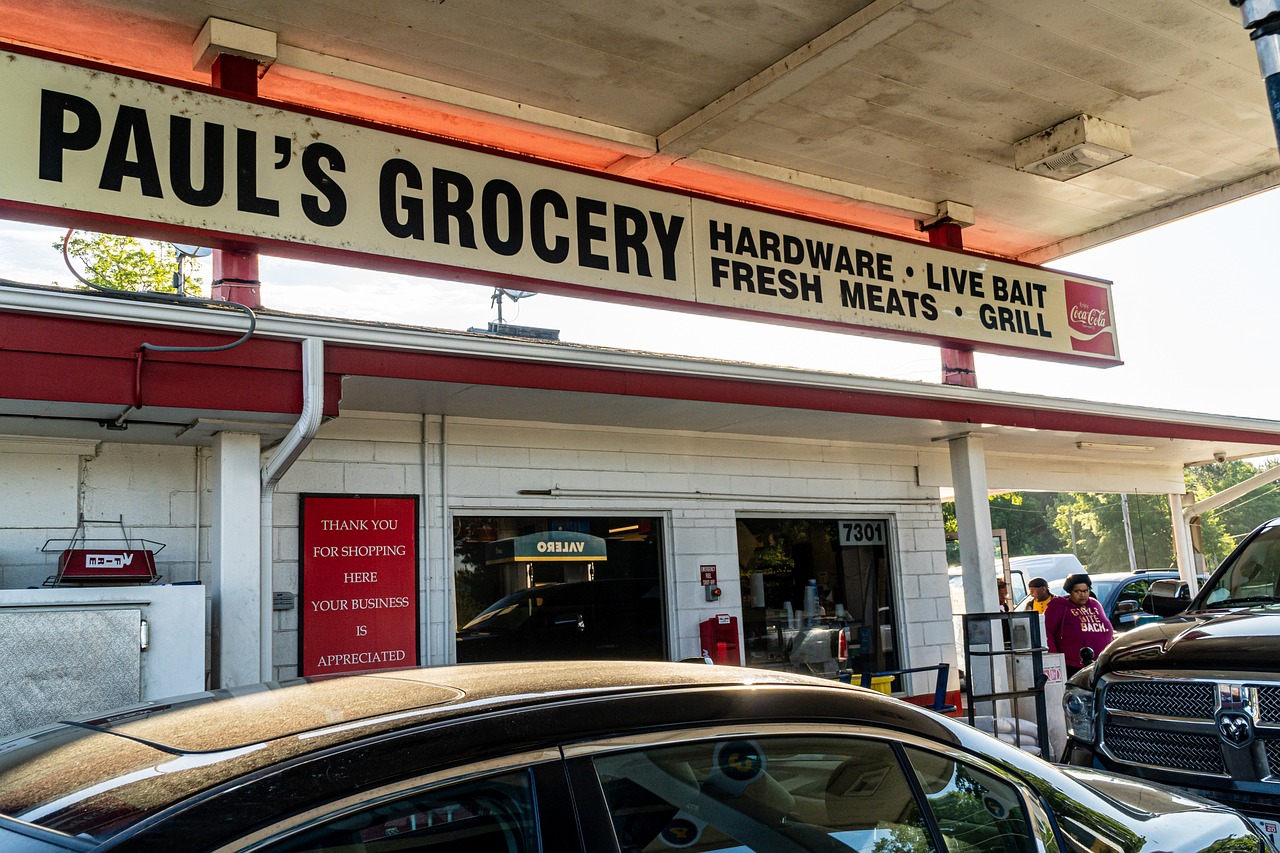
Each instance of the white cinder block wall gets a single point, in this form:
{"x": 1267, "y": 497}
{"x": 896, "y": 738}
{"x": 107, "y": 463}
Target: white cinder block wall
{"x": 363, "y": 454}
{"x": 697, "y": 484}
{"x": 49, "y": 485}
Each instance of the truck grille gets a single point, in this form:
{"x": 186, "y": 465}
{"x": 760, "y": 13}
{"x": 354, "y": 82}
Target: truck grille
{"x": 1273, "y": 753}
{"x": 1197, "y": 753}
{"x": 1189, "y": 700}
{"x": 1269, "y": 704}
{"x": 1192, "y": 728}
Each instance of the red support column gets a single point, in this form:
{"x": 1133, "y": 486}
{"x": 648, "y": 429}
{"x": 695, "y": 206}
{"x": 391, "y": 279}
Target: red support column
{"x": 235, "y": 269}
{"x": 957, "y": 364}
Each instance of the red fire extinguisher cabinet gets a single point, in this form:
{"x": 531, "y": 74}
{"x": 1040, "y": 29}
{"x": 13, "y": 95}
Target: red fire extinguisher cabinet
{"x": 720, "y": 639}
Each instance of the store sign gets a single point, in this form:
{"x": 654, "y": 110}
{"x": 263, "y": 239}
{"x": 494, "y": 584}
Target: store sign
{"x": 552, "y": 546}
{"x": 358, "y": 583}
{"x": 120, "y": 566}
{"x": 855, "y": 532}
{"x": 162, "y": 158}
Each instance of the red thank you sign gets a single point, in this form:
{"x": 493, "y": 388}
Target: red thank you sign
{"x": 358, "y": 583}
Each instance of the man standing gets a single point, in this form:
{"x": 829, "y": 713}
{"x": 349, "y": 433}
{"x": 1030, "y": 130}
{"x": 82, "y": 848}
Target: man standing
{"x": 1040, "y": 595}
{"x": 1076, "y": 621}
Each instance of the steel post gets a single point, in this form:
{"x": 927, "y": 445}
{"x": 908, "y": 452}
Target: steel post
{"x": 1262, "y": 19}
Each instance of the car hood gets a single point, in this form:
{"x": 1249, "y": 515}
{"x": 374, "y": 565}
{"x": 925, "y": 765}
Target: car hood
{"x": 1235, "y": 639}
{"x": 1157, "y": 818}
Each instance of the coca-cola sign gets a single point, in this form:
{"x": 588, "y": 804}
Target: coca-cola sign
{"x": 1084, "y": 317}
{"x": 1089, "y": 317}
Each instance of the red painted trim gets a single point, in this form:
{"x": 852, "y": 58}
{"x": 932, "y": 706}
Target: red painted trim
{"x": 72, "y": 360}
{"x": 111, "y": 339}
{"x": 235, "y": 75}
{"x": 64, "y": 359}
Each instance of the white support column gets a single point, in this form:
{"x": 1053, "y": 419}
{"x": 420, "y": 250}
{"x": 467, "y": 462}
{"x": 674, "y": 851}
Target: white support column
{"x": 237, "y": 587}
{"x": 1182, "y": 546}
{"x": 973, "y": 523}
{"x": 977, "y": 558}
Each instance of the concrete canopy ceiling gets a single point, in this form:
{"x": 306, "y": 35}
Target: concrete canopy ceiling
{"x": 867, "y": 113}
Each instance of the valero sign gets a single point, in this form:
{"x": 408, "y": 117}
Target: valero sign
{"x": 554, "y": 546}
{"x": 88, "y": 145}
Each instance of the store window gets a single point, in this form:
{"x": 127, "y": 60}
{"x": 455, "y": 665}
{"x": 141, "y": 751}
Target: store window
{"x": 554, "y": 588}
{"x": 817, "y": 594}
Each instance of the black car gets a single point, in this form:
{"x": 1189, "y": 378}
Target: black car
{"x": 571, "y": 757}
{"x": 1193, "y": 700}
{"x": 617, "y": 618}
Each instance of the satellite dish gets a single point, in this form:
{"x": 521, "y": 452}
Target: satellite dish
{"x": 513, "y": 295}
{"x": 191, "y": 251}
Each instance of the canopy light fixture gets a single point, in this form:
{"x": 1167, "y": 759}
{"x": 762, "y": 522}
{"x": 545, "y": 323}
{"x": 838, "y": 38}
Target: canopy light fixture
{"x": 1072, "y": 148}
{"x": 1119, "y": 448}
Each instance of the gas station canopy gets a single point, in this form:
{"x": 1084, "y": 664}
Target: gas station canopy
{"x": 1038, "y": 130}
{"x": 1044, "y": 128}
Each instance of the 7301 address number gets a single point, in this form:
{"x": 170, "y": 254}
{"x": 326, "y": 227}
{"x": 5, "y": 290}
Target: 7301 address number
{"x": 861, "y": 532}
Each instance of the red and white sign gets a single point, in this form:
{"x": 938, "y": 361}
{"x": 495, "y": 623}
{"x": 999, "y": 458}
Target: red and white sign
{"x": 358, "y": 583}
{"x": 89, "y": 145}
{"x": 708, "y": 574}
{"x": 1089, "y": 316}
{"x": 121, "y": 566}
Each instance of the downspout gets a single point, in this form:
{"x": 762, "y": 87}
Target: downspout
{"x": 288, "y": 451}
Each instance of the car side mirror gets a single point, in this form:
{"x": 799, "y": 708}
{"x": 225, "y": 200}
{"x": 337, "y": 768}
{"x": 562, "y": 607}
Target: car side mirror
{"x": 1167, "y": 597}
{"x": 1086, "y": 656}
{"x": 1123, "y": 608}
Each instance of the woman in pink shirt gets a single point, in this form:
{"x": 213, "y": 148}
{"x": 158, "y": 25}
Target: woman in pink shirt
{"x": 1076, "y": 621}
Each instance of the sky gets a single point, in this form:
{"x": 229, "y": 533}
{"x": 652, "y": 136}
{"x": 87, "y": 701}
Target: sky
{"x": 1192, "y": 301}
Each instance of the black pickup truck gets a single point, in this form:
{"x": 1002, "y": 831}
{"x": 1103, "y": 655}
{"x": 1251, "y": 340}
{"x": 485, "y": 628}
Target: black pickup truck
{"x": 1193, "y": 700}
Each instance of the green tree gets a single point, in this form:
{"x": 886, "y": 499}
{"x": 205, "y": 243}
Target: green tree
{"x": 1222, "y": 528}
{"x": 1093, "y": 524}
{"x": 1026, "y": 517}
{"x": 1097, "y": 521}
{"x": 126, "y": 263}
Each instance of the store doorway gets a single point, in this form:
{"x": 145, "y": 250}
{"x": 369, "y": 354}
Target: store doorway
{"x": 818, "y": 594}
{"x": 555, "y": 588}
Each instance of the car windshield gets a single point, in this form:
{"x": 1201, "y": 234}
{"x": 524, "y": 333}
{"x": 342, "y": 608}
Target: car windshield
{"x": 1253, "y": 576}
{"x": 1102, "y": 588}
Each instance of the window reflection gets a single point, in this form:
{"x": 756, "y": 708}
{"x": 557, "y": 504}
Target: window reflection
{"x": 975, "y": 811}
{"x": 808, "y": 793}
{"x": 494, "y": 814}
{"x": 529, "y": 588}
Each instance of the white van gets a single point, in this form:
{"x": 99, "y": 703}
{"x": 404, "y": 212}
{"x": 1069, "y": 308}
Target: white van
{"x": 1054, "y": 568}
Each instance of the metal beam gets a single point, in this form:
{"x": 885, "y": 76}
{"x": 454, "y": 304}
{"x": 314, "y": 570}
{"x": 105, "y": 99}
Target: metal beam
{"x": 871, "y": 25}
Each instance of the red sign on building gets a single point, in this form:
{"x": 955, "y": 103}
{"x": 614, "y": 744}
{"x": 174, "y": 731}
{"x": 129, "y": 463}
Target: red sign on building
{"x": 358, "y": 583}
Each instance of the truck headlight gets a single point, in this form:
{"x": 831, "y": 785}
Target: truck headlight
{"x": 1078, "y": 704}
